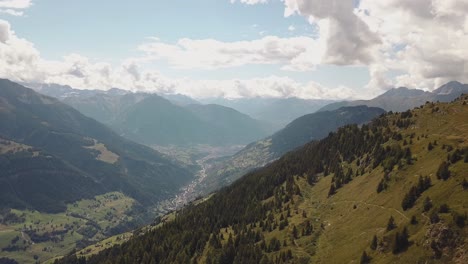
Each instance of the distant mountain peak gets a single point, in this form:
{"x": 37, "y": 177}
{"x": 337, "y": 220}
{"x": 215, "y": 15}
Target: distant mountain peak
{"x": 403, "y": 91}
{"x": 451, "y": 87}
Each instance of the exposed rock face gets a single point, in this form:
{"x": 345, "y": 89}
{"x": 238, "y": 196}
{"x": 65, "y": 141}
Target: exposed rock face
{"x": 445, "y": 242}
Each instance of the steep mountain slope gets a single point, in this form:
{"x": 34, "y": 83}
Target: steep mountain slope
{"x": 64, "y": 156}
{"x": 161, "y": 120}
{"x": 276, "y": 111}
{"x": 157, "y": 121}
{"x": 393, "y": 191}
{"x": 180, "y": 99}
{"x": 230, "y": 123}
{"x": 104, "y": 107}
{"x": 402, "y": 99}
{"x": 300, "y": 131}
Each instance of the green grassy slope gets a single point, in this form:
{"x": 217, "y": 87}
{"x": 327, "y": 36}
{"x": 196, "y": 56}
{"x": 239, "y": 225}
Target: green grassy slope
{"x": 322, "y": 203}
{"x": 25, "y": 233}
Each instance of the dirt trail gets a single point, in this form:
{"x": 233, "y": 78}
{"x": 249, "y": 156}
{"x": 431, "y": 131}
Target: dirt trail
{"x": 375, "y": 205}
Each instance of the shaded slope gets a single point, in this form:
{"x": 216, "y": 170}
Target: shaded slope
{"x": 157, "y": 121}
{"x": 231, "y": 124}
{"x": 69, "y": 143}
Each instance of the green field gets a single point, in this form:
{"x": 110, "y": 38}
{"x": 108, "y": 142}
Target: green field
{"x": 34, "y": 235}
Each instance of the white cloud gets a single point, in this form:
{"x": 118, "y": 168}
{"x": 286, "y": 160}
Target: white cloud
{"x": 349, "y": 39}
{"x": 250, "y": 2}
{"x": 295, "y": 53}
{"x": 291, "y": 28}
{"x": 424, "y": 39}
{"x": 4, "y": 31}
{"x": 21, "y": 61}
{"x": 272, "y": 86}
{"x": 12, "y": 12}
{"x": 14, "y": 7}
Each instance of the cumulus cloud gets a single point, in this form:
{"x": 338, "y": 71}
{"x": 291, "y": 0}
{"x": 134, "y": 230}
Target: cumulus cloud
{"x": 424, "y": 39}
{"x": 296, "y": 53}
{"x": 272, "y": 86}
{"x": 21, "y": 61}
{"x": 18, "y": 57}
{"x": 4, "y": 31}
{"x": 14, "y": 7}
{"x": 349, "y": 39}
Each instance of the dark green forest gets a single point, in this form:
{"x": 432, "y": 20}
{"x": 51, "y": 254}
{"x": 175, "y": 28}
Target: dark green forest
{"x": 247, "y": 208}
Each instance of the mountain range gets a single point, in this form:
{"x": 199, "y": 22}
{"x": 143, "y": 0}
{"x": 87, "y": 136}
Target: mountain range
{"x": 52, "y": 155}
{"x": 402, "y": 99}
{"x": 154, "y": 120}
{"x": 311, "y": 127}
{"x": 390, "y": 191}
{"x": 278, "y": 112}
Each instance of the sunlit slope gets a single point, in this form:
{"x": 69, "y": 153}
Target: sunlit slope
{"x": 402, "y": 179}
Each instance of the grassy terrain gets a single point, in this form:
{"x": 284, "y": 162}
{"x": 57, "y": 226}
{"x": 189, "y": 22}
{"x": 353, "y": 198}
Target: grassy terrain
{"x": 301, "y": 219}
{"x": 49, "y": 235}
{"x": 104, "y": 154}
{"x": 345, "y": 223}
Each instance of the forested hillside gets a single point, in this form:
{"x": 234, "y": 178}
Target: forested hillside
{"x": 310, "y": 127}
{"x": 51, "y": 155}
{"x": 392, "y": 191}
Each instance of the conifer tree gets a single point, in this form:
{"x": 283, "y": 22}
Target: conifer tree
{"x": 443, "y": 173}
{"x": 364, "y": 258}
{"x": 391, "y": 224}
{"x": 373, "y": 245}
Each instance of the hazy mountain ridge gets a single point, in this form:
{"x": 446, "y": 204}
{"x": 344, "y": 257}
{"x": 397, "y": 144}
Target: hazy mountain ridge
{"x": 162, "y": 120}
{"x": 277, "y": 111}
{"x": 402, "y": 99}
{"x": 157, "y": 121}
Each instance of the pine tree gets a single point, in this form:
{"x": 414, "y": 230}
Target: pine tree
{"x": 465, "y": 184}
{"x": 443, "y": 173}
{"x": 429, "y": 146}
{"x": 391, "y": 224}
{"x": 374, "y": 242}
{"x": 332, "y": 190}
{"x": 427, "y": 204}
{"x": 365, "y": 258}
{"x": 294, "y": 232}
{"x": 404, "y": 243}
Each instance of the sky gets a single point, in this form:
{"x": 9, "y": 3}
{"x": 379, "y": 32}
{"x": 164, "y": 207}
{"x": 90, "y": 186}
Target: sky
{"x": 330, "y": 49}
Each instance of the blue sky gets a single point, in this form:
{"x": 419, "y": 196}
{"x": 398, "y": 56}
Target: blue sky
{"x": 112, "y": 29}
{"x": 315, "y": 49}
